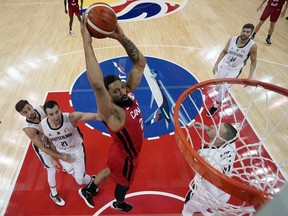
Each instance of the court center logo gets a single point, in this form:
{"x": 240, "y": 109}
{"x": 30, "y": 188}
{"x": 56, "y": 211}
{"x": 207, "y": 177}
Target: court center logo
{"x": 135, "y": 10}
{"x": 163, "y": 82}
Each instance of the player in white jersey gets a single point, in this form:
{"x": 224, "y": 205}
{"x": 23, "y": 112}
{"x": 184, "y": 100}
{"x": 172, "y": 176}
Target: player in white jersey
{"x": 233, "y": 58}
{"x": 33, "y": 117}
{"x": 220, "y": 154}
{"x": 61, "y": 129}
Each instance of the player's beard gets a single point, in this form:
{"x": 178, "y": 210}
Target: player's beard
{"x": 124, "y": 103}
{"x": 243, "y": 37}
{"x": 33, "y": 116}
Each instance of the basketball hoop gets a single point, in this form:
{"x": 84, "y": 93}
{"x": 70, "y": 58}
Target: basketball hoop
{"x": 256, "y": 175}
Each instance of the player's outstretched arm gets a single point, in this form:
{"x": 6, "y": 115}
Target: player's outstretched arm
{"x": 137, "y": 58}
{"x": 83, "y": 116}
{"x": 32, "y": 133}
{"x": 95, "y": 76}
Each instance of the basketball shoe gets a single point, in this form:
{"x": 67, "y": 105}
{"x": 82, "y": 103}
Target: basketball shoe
{"x": 122, "y": 206}
{"x": 57, "y": 199}
{"x": 87, "y": 197}
{"x": 71, "y": 33}
{"x": 268, "y": 41}
{"x": 96, "y": 188}
{"x": 212, "y": 111}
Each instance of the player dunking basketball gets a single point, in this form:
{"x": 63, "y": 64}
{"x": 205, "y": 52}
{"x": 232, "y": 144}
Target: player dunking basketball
{"x": 221, "y": 155}
{"x": 119, "y": 110}
{"x": 234, "y": 56}
{"x": 73, "y": 8}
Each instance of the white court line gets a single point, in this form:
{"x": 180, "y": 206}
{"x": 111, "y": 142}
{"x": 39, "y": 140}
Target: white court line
{"x": 164, "y": 46}
{"x": 140, "y": 193}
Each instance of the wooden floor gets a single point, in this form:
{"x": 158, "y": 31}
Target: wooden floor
{"x": 38, "y": 55}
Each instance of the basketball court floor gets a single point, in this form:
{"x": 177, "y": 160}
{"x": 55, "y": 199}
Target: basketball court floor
{"x": 181, "y": 40}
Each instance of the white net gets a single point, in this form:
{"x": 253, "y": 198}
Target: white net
{"x": 259, "y": 156}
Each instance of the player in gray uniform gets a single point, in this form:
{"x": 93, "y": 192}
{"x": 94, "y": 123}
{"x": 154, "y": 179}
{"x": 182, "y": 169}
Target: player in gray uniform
{"x": 220, "y": 154}
{"x": 61, "y": 129}
{"x": 233, "y": 58}
{"x": 33, "y": 117}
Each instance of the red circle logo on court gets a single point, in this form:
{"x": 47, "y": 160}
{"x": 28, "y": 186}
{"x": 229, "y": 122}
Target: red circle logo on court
{"x": 135, "y": 10}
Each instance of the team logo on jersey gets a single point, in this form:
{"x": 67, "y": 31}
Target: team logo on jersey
{"x": 66, "y": 130}
{"x": 131, "y": 96}
{"x": 134, "y": 10}
{"x": 163, "y": 82}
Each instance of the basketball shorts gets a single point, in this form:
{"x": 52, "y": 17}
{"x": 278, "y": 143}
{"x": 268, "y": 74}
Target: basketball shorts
{"x": 227, "y": 72}
{"x": 196, "y": 201}
{"x": 73, "y": 10}
{"x": 122, "y": 166}
{"x": 274, "y": 14}
{"x": 43, "y": 157}
{"x": 78, "y": 167}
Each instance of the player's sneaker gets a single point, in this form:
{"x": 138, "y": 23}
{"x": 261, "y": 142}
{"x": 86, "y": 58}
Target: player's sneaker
{"x": 87, "y": 196}
{"x": 122, "y": 206}
{"x": 97, "y": 188}
{"x": 268, "y": 41}
{"x": 212, "y": 111}
{"x": 71, "y": 33}
{"x": 57, "y": 199}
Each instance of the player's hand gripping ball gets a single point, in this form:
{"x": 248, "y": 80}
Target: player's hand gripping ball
{"x": 101, "y": 20}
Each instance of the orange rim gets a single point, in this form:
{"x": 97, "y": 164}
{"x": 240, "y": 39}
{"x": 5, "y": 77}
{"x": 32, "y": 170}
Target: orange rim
{"x": 198, "y": 163}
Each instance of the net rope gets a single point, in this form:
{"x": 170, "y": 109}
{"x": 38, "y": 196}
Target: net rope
{"x": 253, "y": 165}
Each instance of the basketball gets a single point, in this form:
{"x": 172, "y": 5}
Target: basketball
{"x": 101, "y": 20}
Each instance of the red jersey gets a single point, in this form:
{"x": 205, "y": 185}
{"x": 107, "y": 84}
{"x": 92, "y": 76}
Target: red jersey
{"x": 123, "y": 157}
{"x": 276, "y": 3}
{"x": 129, "y": 137}
{"x": 73, "y": 3}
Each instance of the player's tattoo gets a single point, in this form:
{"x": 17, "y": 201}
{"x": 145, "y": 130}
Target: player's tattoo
{"x": 131, "y": 49}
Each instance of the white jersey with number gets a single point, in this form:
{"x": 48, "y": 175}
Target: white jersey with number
{"x": 45, "y": 158}
{"x": 66, "y": 138}
{"x": 236, "y": 57}
{"x": 222, "y": 159}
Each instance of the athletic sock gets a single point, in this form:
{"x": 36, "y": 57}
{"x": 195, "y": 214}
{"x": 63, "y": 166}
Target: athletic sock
{"x": 120, "y": 192}
{"x": 53, "y": 191}
{"x": 91, "y": 187}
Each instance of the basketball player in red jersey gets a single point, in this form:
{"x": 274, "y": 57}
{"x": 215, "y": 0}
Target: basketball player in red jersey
{"x": 119, "y": 111}
{"x": 73, "y": 8}
{"x": 272, "y": 9}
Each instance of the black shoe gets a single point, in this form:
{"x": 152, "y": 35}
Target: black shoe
{"x": 87, "y": 197}
{"x": 212, "y": 111}
{"x": 268, "y": 41}
{"x": 96, "y": 188}
{"x": 122, "y": 206}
